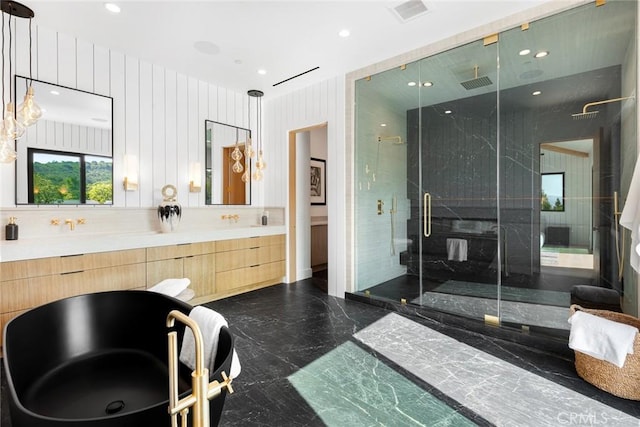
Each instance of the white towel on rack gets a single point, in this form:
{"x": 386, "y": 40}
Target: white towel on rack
{"x": 457, "y": 249}
{"x": 210, "y": 322}
{"x": 630, "y": 217}
{"x": 601, "y": 338}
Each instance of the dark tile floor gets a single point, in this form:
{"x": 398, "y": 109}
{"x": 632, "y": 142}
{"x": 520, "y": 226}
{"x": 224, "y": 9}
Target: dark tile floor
{"x": 281, "y": 329}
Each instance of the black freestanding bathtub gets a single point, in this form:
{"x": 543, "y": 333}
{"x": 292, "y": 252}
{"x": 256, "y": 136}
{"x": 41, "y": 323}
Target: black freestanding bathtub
{"x": 99, "y": 360}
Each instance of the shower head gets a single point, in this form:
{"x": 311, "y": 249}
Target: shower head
{"x": 591, "y": 114}
{"x": 585, "y": 115}
{"x": 395, "y": 140}
{"x": 476, "y": 82}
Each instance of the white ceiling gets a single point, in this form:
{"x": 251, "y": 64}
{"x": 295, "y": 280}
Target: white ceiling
{"x": 283, "y": 37}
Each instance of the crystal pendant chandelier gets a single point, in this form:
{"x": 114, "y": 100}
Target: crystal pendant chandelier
{"x": 260, "y": 163}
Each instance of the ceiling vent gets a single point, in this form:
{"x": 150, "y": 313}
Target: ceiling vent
{"x": 410, "y": 9}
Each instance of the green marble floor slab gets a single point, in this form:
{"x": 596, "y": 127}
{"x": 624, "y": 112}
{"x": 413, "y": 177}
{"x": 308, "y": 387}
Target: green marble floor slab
{"x": 350, "y": 387}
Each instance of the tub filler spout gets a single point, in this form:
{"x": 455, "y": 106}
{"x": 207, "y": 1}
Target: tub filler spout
{"x": 202, "y": 390}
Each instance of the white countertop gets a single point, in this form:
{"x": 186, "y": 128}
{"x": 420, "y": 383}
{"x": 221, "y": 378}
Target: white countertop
{"x": 80, "y": 243}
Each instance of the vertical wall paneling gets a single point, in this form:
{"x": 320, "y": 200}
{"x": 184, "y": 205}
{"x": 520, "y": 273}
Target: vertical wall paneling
{"x": 117, "y": 86}
{"x": 158, "y": 129}
{"x": 102, "y": 71}
{"x": 323, "y": 103}
{"x": 66, "y": 60}
{"x": 182, "y": 139}
{"x": 147, "y": 141}
{"x": 47, "y": 55}
{"x": 158, "y": 114}
{"x": 132, "y": 122}
{"x": 84, "y": 66}
{"x": 170, "y": 128}
{"x": 195, "y": 137}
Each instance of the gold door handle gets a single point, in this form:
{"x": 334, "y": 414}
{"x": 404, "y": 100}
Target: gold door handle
{"x": 426, "y": 206}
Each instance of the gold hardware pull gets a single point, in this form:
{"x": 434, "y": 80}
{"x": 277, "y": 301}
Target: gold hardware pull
{"x": 426, "y": 207}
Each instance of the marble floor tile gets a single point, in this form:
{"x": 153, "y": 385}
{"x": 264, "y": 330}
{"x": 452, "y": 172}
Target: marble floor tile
{"x": 350, "y": 387}
{"x": 497, "y": 390}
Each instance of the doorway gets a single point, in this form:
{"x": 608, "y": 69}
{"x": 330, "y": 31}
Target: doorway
{"x": 307, "y": 218}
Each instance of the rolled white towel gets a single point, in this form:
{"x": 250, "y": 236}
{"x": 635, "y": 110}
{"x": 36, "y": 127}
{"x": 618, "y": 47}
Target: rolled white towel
{"x": 171, "y": 287}
{"x": 601, "y": 338}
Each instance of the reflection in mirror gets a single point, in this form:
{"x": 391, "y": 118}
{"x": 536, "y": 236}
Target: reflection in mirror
{"x": 66, "y": 157}
{"x": 226, "y": 165}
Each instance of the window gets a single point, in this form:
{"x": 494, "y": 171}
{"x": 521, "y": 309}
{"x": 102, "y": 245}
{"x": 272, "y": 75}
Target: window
{"x": 57, "y": 177}
{"x": 552, "y": 192}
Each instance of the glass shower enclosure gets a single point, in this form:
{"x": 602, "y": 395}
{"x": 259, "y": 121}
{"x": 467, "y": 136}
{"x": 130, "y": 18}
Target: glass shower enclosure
{"x": 487, "y": 176}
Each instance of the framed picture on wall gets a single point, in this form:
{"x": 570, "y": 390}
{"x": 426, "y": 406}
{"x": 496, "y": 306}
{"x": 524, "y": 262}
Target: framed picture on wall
{"x": 318, "y": 182}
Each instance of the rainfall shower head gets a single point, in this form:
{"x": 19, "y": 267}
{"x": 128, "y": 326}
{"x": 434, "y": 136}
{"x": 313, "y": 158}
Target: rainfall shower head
{"x": 395, "y": 140}
{"x": 591, "y": 114}
{"x": 476, "y": 82}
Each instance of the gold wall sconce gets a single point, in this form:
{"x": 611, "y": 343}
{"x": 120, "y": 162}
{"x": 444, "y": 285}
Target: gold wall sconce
{"x": 195, "y": 177}
{"x": 130, "y": 182}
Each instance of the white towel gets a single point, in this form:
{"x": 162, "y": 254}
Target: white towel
{"x": 456, "y": 249}
{"x": 171, "y": 287}
{"x": 210, "y": 322}
{"x": 601, "y": 338}
{"x": 630, "y": 217}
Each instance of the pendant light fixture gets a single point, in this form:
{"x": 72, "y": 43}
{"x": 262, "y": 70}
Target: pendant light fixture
{"x": 29, "y": 112}
{"x": 260, "y": 163}
{"x": 236, "y": 155}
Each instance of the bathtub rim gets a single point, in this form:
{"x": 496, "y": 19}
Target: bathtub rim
{"x": 181, "y": 305}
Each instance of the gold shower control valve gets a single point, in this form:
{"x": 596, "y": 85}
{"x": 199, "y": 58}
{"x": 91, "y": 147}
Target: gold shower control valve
{"x": 380, "y": 205}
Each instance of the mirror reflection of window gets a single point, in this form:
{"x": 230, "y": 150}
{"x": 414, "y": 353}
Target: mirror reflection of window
{"x": 69, "y": 178}
{"x": 552, "y": 189}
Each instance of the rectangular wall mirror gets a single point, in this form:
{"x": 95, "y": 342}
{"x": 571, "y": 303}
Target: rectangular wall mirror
{"x": 65, "y": 157}
{"x": 228, "y": 171}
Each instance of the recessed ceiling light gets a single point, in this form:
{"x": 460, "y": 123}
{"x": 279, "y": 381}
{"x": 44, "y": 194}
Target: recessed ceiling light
{"x": 262, "y": 71}
{"x": 447, "y": 111}
{"x": 344, "y": 33}
{"x": 524, "y": 52}
{"x": 536, "y": 93}
{"x": 411, "y": 83}
{"x": 112, "y": 7}
{"x": 427, "y": 84}
{"x": 54, "y": 92}
{"x": 383, "y": 124}
{"x": 541, "y": 54}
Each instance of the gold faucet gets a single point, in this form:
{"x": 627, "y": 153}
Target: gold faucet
{"x": 72, "y": 224}
{"x": 202, "y": 390}
{"x": 234, "y": 217}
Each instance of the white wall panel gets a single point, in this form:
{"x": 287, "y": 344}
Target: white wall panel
{"x": 323, "y": 102}
{"x": 158, "y": 115}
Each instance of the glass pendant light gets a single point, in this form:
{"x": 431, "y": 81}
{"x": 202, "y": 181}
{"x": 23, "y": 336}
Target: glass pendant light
{"x": 29, "y": 112}
{"x": 260, "y": 163}
{"x": 7, "y": 153}
{"x": 11, "y": 129}
{"x": 236, "y": 155}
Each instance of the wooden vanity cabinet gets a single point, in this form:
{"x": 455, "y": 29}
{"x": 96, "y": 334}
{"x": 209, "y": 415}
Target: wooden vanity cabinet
{"x": 30, "y": 283}
{"x": 196, "y": 261}
{"x": 250, "y": 263}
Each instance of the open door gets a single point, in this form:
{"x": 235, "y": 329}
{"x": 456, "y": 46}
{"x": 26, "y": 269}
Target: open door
{"x": 234, "y": 188}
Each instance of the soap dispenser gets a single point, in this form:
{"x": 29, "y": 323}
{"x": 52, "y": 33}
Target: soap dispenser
{"x": 11, "y": 230}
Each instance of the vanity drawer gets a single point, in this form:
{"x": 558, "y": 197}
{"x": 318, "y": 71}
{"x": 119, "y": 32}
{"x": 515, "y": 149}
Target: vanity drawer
{"x": 180, "y": 251}
{"x": 249, "y": 257}
{"x": 232, "y": 279}
{"x": 249, "y": 242}
{"x": 55, "y": 265}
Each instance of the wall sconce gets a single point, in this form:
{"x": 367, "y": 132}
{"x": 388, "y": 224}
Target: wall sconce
{"x": 195, "y": 177}
{"x": 130, "y": 182}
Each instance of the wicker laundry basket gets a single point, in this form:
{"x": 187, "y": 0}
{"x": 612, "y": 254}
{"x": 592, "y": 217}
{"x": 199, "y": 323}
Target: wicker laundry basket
{"x": 622, "y": 382}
